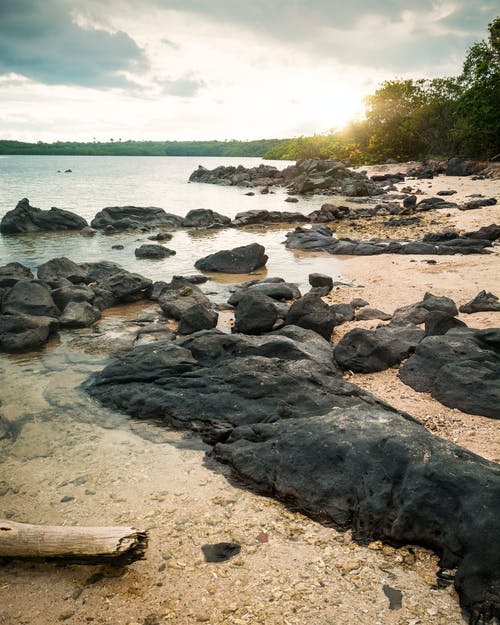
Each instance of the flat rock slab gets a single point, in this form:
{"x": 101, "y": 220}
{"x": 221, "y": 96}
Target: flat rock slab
{"x": 282, "y": 416}
{"x": 461, "y": 369}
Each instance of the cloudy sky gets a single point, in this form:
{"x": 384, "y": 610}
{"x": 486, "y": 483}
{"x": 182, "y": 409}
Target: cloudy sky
{"x": 205, "y": 69}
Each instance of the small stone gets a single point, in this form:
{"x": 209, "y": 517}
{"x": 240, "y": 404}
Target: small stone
{"x": 66, "y": 615}
{"x": 350, "y": 566}
{"x": 67, "y": 498}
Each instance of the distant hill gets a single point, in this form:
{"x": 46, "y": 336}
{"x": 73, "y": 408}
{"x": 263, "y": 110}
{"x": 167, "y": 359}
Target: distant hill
{"x": 143, "y": 148}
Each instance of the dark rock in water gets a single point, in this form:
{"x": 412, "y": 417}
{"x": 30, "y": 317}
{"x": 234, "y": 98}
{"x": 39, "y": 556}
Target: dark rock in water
{"x": 255, "y": 313}
{"x": 247, "y": 218}
{"x": 25, "y": 218}
{"x": 12, "y": 273}
{"x": 291, "y": 199}
{"x": 127, "y": 287}
{"x": 149, "y": 250}
{"x": 365, "y": 351}
{"x": 490, "y": 233}
{"x": 195, "y": 279}
{"x": 62, "y": 267}
{"x": 117, "y": 247}
{"x": 482, "y": 302}
{"x": 204, "y": 218}
{"x": 461, "y": 369}
{"x": 418, "y": 313}
{"x": 100, "y": 270}
{"x": 88, "y": 232}
{"x": 312, "y": 313}
{"x": 29, "y": 297}
{"x": 73, "y": 293}
{"x": 197, "y": 317}
{"x": 134, "y": 218}
{"x": 366, "y": 314}
{"x": 220, "y": 552}
{"x": 321, "y": 279}
{"x": 278, "y": 290}
{"x": 104, "y": 298}
{"x": 79, "y": 315}
{"x": 329, "y": 212}
{"x": 178, "y": 296}
{"x": 459, "y": 167}
{"x": 438, "y": 323}
{"x": 22, "y": 333}
{"x": 310, "y": 438}
{"x": 242, "y": 259}
{"x": 161, "y": 236}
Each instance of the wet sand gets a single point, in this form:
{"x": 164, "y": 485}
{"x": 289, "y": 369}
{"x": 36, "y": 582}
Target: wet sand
{"x": 69, "y": 461}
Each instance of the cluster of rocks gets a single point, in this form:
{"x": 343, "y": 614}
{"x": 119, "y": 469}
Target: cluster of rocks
{"x": 276, "y": 408}
{"x": 319, "y": 237}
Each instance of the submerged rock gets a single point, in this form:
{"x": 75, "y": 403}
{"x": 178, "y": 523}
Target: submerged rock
{"x": 242, "y": 259}
{"x": 26, "y": 218}
{"x": 21, "y": 333}
{"x": 149, "y": 250}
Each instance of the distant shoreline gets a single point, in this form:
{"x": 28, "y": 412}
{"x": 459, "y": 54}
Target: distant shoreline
{"x": 256, "y": 148}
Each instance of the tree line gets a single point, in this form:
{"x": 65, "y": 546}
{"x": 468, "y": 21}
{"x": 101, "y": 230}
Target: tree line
{"x": 142, "y": 148}
{"x": 414, "y": 119}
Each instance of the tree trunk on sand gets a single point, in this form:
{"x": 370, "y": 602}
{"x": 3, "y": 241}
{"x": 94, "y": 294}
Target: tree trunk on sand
{"x": 78, "y": 545}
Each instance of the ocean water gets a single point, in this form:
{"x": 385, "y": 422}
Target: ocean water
{"x": 99, "y": 181}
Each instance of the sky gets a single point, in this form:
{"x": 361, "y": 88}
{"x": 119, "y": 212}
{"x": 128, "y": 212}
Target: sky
{"x": 84, "y": 70}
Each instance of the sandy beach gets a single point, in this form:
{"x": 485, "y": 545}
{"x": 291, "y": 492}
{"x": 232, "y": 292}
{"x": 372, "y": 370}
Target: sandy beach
{"x": 291, "y": 570}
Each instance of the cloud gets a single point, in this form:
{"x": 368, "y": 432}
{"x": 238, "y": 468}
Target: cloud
{"x": 41, "y": 40}
{"x": 186, "y": 87}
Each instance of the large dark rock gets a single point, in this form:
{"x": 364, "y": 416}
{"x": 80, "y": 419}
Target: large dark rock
{"x": 368, "y": 313}
{"x": 329, "y": 212}
{"x": 149, "y": 250}
{"x": 22, "y": 333}
{"x": 461, "y": 369}
{"x": 197, "y": 317}
{"x": 255, "y": 313}
{"x": 482, "y": 302}
{"x": 242, "y": 259}
{"x": 365, "y": 351}
{"x": 418, "y": 313}
{"x": 342, "y": 312}
{"x": 74, "y": 293}
{"x": 127, "y": 287}
{"x": 438, "y": 323}
{"x": 12, "y": 273}
{"x": 459, "y": 167}
{"x": 79, "y": 315}
{"x": 312, "y": 313}
{"x": 57, "y": 268}
{"x": 288, "y": 424}
{"x": 134, "y": 218}
{"x": 491, "y": 232}
{"x": 25, "y": 218}
{"x": 204, "y": 218}
{"x": 321, "y": 280}
{"x": 178, "y": 296}
{"x": 277, "y": 289}
{"x": 29, "y": 297}
{"x": 250, "y": 217}
{"x": 100, "y": 270}
{"x": 379, "y": 472}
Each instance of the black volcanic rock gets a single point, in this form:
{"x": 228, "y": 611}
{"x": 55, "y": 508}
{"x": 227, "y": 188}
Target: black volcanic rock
{"x": 134, "y": 218}
{"x": 56, "y": 268}
{"x": 461, "y": 369}
{"x": 255, "y": 313}
{"x": 197, "y": 317}
{"x": 312, "y": 313}
{"x": 26, "y": 218}
{"x": 242, "y": 259}
{"x": 204, "y": 218}
{"x": 482, "y": 302}
{"x": 365, "y": 351}
{"x": 149, "y": 250}
{"x": 29, "y": 297}
{"x": 12, "y": 273}
{"x": 21, "y": 333}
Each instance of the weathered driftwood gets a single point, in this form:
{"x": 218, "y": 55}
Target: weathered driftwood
{"x": 79, "y": 545}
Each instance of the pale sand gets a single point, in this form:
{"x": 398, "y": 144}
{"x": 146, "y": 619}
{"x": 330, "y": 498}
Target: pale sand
{"x": 305, "y": 573}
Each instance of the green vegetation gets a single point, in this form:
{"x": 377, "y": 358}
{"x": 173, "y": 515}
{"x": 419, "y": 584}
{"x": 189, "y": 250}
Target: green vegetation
{"x": 414, "y": 119}
{"x": 143, "y": 148}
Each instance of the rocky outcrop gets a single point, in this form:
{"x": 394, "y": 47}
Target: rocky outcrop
{"x": 289, "y": 425}
{"x": 134, "y": 218}
{"x": 242, "y": 259}
{"x": 149, "y": 250}
{"x": 483, "y": 302}
{"x": 461, "y": 369}
{"x": 250, "y": 217}
{"x": 61, "y": 268}
{"x": 366, "y": 351}
{"x": 204, "y": 218}
{"x": 26, "y": 218}
{"x": 320, "y": 238}
{"x": 12, "y": 273}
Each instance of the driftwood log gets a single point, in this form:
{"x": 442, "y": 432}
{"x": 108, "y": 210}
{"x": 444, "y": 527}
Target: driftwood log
{"x": 78, "y": 545}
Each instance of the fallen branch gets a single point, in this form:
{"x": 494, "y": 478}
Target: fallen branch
{"x": 78, "y": 545}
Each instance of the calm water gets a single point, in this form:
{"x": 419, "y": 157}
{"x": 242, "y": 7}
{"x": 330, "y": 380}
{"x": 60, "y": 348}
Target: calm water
{"x": 99, "y": 181}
